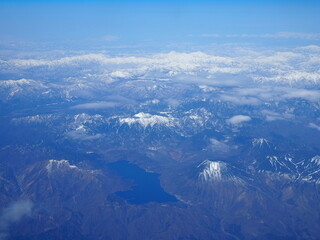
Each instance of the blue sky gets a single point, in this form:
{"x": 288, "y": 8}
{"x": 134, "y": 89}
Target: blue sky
{"x": 138, "y": 22}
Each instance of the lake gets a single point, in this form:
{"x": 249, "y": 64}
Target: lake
{"x": 146, "y": 186}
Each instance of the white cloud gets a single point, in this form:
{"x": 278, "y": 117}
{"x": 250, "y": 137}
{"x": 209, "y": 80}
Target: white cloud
{"x": 238, "y": 119}
{"x": 255, "y": 96}
{"x": 96, "y": 105}
{"x": 213, "y": 35}
{"x": 313, "y": 48}
{"x": 285, "y": 35}
{"x": 310, "y": 36}
{"x": 83, "y": 136}
{"x": 238, "y": 100}
{"x": 13, "y": 214}
{"x": 273, "y": 116}
{"x": 315, "y": 126}
{"x": 121, "y": 74}
{"x": 110, "y": 38}
{"x": 218, "y": 146}
{"x": 311, "y": 95}
{"x": 299, "y": 65}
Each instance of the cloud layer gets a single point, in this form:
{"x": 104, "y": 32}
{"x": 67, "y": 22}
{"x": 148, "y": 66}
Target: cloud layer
{"x": 294, "y": 66}
{"x": 279, "y": 35}
{"x": 13, "y": 214}
{"x": 96, "y": 105}
{"x": 238, "y": 119}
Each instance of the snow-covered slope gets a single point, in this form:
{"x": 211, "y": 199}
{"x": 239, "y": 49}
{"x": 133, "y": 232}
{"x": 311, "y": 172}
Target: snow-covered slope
{"x": 217, "y": 171}
{"x": 147, "y": 119}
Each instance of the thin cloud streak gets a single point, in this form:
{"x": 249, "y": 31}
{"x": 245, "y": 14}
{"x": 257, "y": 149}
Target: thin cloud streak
{"x": 13, "y": 214}
{"x": 279, "y": 35}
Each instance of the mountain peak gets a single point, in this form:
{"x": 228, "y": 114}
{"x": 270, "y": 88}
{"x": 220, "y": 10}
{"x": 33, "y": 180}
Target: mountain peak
{"x": 316, "y": 160}
{"x": 59, "y": 164}
{"x": 260, "y": 142}
{"x": 211, "y": 171}
{"x": 147, "y": 119}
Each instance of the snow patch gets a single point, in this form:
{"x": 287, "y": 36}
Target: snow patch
{"x": 34, "y": 119}
{"x": 59, "y": 164}
{"x": 273, "y": 160}
{"x": 83, "y": 118}
{"x": 259, "y": 142}
{"x": 147, "y": 119}
{"x": 316, "y": 160}
{"x": 206, "y": 88}
{"x": 211, "y": 170}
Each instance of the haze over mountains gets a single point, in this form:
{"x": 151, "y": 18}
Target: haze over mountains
{"x": 164, "y": 146}
{"x": 159, "y": 120}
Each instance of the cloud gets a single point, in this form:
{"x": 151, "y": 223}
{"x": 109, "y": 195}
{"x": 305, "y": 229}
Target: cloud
{"x": 83, "y": 137}
{"x": 213, "y": 35}
{"x": 311, "y": 95}
{"x": 309, "y": 36}
{"x": 291, "y": 77}
{"x": 110, "y": 38}
{"x": 315, "y": 126}
{"x": 312, "y": 48}
{"x": 240, "y": 100}
{"x": 297, "y": 66}
{"x": 218, "y": 146}
{"x": 285, "y": 35}
{"x": 13, "y": 214}
{"x": 256, "y": 96}
{"x": 273, "y": 116}
{"x": 238, "y": 119}
{"x": 96, "y": 105}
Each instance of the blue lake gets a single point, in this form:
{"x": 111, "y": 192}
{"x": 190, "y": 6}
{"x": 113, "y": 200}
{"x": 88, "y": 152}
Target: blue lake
{"x": 146, "y": 187}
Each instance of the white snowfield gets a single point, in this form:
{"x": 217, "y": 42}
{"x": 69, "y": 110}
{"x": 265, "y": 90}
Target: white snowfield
{"x": 59, "y": 164}
{"x": 212, "y": 170}
{"x": 147, "y": 119}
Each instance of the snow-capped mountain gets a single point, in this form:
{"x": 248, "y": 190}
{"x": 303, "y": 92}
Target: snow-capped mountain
{"x": 212, "y": 172}
{"x": 207, "y": 154}
{"x": 147, "y": 119}
{"x": 59, "y": 164}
